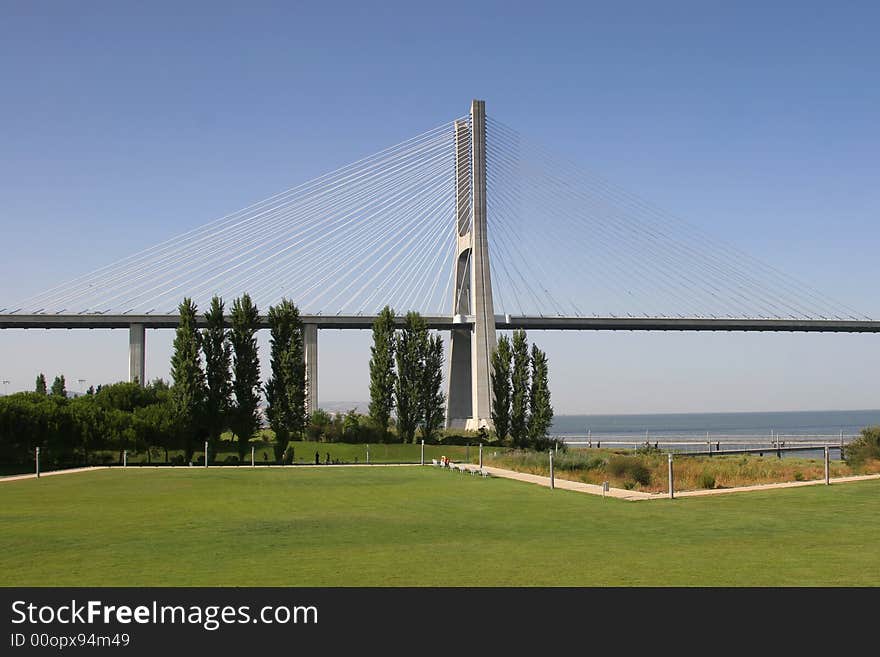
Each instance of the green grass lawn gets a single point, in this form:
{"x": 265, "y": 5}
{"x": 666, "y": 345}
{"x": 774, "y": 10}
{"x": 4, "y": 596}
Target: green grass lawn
{"x": 389, "y": 526}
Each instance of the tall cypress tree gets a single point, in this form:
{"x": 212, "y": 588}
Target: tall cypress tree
{"x": 188, "y": 391}
{"x": 519, "y": 384}
{"x": 382, "y": 375}
{"x": 500, "y": 378}
{"x": 41, "y": 384}
{"x": 408, "y": 352}
{"x": 244, "y": 420}
{"x": 540, "y": 410}
{"x": 285, "y": 390}
{"x": 59, "y": 387}
{"x": 432, "y": 400}
{"x": 218, "y": 360}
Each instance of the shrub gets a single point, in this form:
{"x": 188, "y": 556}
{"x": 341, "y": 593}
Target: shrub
{"x": 706, "y": 480}
{"x": 617, "y": 466}
{"x": 863, "y": 448}
{"x": 798, "y": 476}
{"x": 640, "y": 474}
{"x": 456, "y": 439}
{"x": 232, "y": 458}
{"x": 627, "y": 466}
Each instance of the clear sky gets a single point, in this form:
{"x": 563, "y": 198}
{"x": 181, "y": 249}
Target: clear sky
{"x": 122, "y": 124}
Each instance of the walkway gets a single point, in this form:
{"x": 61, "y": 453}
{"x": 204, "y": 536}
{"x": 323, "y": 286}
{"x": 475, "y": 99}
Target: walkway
{"x": 636, "y": 496}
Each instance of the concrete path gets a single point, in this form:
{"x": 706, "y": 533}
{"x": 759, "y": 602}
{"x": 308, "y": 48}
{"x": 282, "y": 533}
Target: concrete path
{"x": 563, "y": 484}
{"x": 635, "y": 496}
{"x": 787, "y": 484}
{"x": 184, "y": 468}
{"x": 53, "y": 473}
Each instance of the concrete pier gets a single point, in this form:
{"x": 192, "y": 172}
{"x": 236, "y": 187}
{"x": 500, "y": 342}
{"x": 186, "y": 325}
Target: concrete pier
{"x": 459, "y": 382}
{"x": 310, "y": 350}
{"x": 469, "y": 392}
{"x": 137, "y": 351}
{"x": 481, "y": 280}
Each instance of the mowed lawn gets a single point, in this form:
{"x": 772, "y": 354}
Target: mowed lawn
{"x": 390, "y": 526}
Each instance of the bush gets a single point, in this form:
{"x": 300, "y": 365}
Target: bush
{"x": 706, "y": 480}
{"x": 640, "y": 474}
{"x": 618, "y": 465}
{"x": 864, "y": 448}
{"x": 546, "y": 443}
{"x": 455, "y": 439}
{"x": 577, "y": 462}
{"x": 232, "y": 458}
{"x": 798, "y": 476}
{"x": 627, "y": 466}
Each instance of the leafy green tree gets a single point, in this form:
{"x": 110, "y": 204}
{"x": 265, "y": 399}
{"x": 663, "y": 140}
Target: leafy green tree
{"x": 431, "y": 398}
{"x": 188, "y": 390}
{"x": 244, "y": 420}
{"x": 382, "y": 375}
{"x": 41, "y": 384}
{"x": 124, "y": 396}
{"x": 218, "y": 377}
{"x": 540, "y": 410}
{"x": 408, "y": 352}
{"x": 157, "y": 425}
{"x": 58, "y": 386}
{"x": 500, "y": 379}
{"x": 351, "y": 426}
{"x": 286, "y": 389}
{"x": 866, "y": 447}
{"x": 319, "y": 422}
{"x": 519, "y": 384}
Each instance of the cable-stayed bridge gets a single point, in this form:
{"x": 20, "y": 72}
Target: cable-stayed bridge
{"x": 472, "y": 225}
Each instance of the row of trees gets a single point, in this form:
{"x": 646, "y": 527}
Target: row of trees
{"x": 59, "y": 386}
{"x": 521, "y": 392}
{"x": 70, "y": 431}
{"x": 225, "y": 393}
{"x": 406, "y": 377}
{"x": 406, "y": 374}
{"x": 216, "y": 387}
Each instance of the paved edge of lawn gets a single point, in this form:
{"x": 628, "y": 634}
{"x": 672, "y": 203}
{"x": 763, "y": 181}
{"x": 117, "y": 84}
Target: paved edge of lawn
{"x": 184, "y": 468}
{"x": 564, "y": 484}
{"x": 635, "y": 496}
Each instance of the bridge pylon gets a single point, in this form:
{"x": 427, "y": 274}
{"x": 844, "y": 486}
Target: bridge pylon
{"x": 469, "y": 392}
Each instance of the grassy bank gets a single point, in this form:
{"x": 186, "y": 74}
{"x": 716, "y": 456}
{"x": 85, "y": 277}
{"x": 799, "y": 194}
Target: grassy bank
{"x": 421, "y": 527}
{"x": 648, "y": 472}
{"x": 304, "y": 453}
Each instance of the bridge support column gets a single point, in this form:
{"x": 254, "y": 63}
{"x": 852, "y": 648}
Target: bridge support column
{"x": 310, "y": 350}
{"x": 469, "y": 394}
{"x": 481, "y": 280}
{"x": 137, "y": 351}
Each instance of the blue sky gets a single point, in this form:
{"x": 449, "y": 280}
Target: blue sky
{"x": 124, "y": 124}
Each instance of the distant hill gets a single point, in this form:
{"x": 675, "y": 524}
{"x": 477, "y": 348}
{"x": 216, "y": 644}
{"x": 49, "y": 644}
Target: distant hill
{"x": 345, "y": 406}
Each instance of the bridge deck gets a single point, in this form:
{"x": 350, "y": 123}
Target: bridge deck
{"x": 8, "y": 321}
